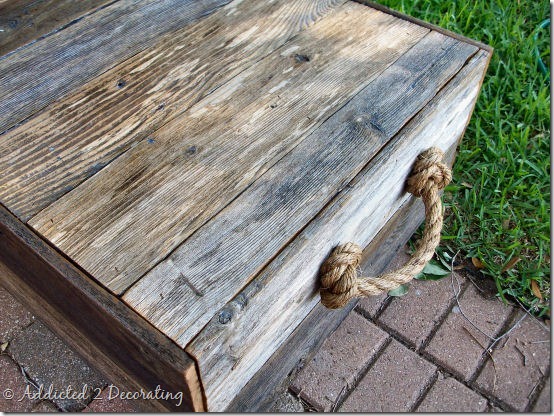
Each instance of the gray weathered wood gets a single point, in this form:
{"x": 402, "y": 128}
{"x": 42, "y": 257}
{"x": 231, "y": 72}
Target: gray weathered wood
{"x": 200, "y": 161}
{"x": 75, "y": 138}
{"x": 225, "y": 254}
{"x": 263, "y": 315}
{"x": 45, "y": 71}
{"x": 259, "y": 393}
{"x": 22, "y": 21}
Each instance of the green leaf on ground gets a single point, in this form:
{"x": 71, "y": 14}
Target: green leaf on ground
{"x": 399, "y": 291}
{"x": 433, "y": 271}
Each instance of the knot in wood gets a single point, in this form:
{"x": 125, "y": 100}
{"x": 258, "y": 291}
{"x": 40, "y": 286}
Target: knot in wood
{"x": 339, "y": 275}
{"x": 428, "y": 172}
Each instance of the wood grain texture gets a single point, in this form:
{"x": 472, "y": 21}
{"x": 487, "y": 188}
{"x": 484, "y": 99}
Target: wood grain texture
{"x": 428, "y": 25}
{"x": 108, "y": 334}
{"x": 225, "y": 254}
{"x": 22, "y": 21}
{"x": 45, "y": 71}
{"x": 73, "y": 139}
{"x": 261, "y": 317}
{"x": 195, "y": 165}
{"x": 259, "y": 394}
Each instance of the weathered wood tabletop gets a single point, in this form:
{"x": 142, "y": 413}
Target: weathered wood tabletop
{"x": 174, "y": 172}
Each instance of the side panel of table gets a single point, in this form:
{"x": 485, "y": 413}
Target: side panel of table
{"x": 261, "y": 391}
{"x": 97, "y": 325}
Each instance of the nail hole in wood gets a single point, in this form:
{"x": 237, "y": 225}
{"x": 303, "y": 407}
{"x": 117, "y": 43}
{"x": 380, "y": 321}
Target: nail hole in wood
{"x": 301, "y": 58}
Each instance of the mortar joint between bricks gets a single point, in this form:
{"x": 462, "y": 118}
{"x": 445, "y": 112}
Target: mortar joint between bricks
{"x": 493, "y": 345}
{"x": 495, "y": 401}
{"x": 361, "y": 374}
{"x": 536, "y": 393}
{"x": 425, "y": 391}
{"x": 453, "y": 302}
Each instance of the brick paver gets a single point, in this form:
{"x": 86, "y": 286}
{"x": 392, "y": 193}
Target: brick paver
{"x": 13, "y": 397}
{"x": 13, "y": 318}
{"x": 457, "y": 345}
{"x": 371, "y": 305}
{"x": 450, "y": 396}
{"x": 519, "y": 365}
{"x": 414, "y": 316}
{"x": 52, "y": 365}
{"x": 396, "y": 378}
{"x": 336, "y": 365}
{"x": 393, "y": 384}
{"x": 544, "y": 401}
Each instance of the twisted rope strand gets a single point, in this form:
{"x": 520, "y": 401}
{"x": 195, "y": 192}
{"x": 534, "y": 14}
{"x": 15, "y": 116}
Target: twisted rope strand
{"x": 338, "y": 274}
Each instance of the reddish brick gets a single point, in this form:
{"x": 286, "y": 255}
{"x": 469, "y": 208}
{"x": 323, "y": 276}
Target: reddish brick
{"x": 519, "y": 365}
{"x": 45, "y": 407}
{"x": 53, "y": 366}
{"x": 450, "y": 396}
{"x": 544, "y": 401}
{"x": 107, "y": 402}
{"x": 13, "y": 318}
{"x": 371, "y": 305}
{"x": 457, "y": 345}
{"x": 415, "y": 315}
{"x": 13, "y": 387}
{"x": 339, "y": 361}
{"x": 393, "y": 384}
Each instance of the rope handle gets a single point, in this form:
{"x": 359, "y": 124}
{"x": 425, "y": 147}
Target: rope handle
{"x": 338, "y": 274}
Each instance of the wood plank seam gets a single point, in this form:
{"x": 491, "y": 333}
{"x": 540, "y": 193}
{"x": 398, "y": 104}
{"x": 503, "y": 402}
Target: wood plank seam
{"x": 118, "y": 210}
{"x": 428, "y": 25}
{"x": 49, "y": 180}
{"x": 24, "y": 96}
{"x": 196, "y": 338}
{"x": 269, "y": 173}
{"x": 165, "y": 122}
{"x": 55, "y": 30}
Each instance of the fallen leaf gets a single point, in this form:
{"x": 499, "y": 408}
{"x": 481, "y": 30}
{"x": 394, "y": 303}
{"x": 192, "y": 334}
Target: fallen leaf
{"x": 506, "y": 224}
{"x": 399, "y": 291}
{"x": 536, "y": 290}
{"x": 4, "y": 346}
{"x": 477, "y": 263}
{"x": 513, "y": 261}
{"x": 467, "y": 185}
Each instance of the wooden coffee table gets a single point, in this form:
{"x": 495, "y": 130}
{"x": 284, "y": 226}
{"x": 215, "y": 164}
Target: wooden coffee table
{"x": 173, "y": 174}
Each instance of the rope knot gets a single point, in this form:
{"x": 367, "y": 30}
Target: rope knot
{"x": 339, "y": 275}
{"x": 428, "y": 172}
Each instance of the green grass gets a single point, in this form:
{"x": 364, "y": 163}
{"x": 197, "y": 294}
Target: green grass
{"x": 498, "y": 204}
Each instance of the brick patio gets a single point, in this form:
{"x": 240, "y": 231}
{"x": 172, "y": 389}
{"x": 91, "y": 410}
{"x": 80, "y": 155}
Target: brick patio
{"x": 420, "y": 352}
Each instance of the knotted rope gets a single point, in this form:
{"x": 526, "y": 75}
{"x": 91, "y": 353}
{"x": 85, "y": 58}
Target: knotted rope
{"x": 339, "y": 277}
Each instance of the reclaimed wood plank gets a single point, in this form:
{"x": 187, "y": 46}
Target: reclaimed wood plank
{"x": 35, "y": 76}
{"x": 225, "y": 254}
{"x": 423, "y": 23}
{"x": 107, "y": 333}
{"x": 264, "y": 314}
{"x": 259, "y": 394}
{"x": 193, "y": 166}
{"x": 22, "y": 21}
{"x": 60, "y": 148}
